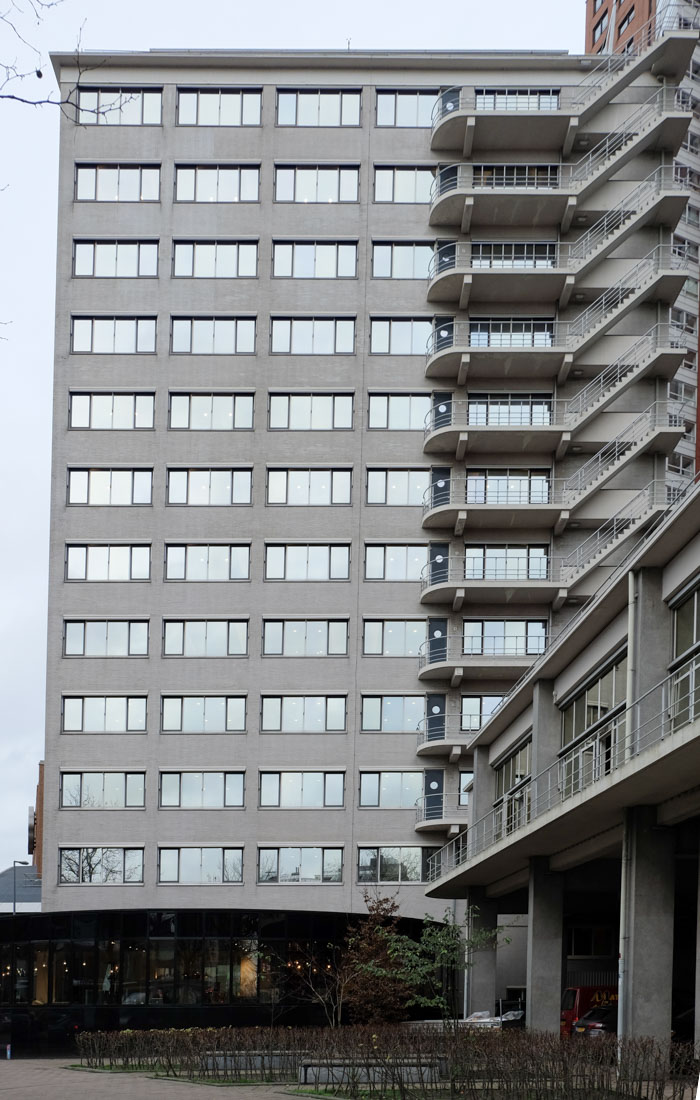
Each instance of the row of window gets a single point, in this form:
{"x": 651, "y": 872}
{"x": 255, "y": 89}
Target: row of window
{"x": 278, "y": 713}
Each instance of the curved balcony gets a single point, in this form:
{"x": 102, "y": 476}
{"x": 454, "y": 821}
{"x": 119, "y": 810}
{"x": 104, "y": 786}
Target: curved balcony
{"x": 455, "y": 657}
{"x": 524, "y": 503}
{"x": 456, "y": 581}
{"x": 500, "y": 272}
{"x": 493, "y": 425}
{"x": 443, "y": 736}
{"x": 466, "y": 116}
{"x": 437, "y": 813}
{"x": 521, "y": 347}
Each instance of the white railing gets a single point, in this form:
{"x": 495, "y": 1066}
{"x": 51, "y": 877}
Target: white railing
{"x": 456, "y": 569}
{"x": 661, "y": 179}
{"x": 499, "y": 489}
{"x": 443, "y": 728}
{"x": 455, "y": 649}
{"x": 491, "y": 411}
{"x": 437, "y": 808}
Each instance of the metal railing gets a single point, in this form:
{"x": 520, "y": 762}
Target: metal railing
{"x": 658, "y": 715}
{"x": 456, "y": 569}
{"x": 438, "y": 808}
{"x": 491, "y": 411}
{"x": 455, "y": 649}
{"x": 496, "y": 489}
{"x": 448, "y": 728}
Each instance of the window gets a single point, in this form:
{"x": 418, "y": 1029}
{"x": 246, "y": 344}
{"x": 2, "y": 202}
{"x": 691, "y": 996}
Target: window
{"x": 401, "y": 261}
{"x": 205, "y": 638}
{"x": 392, "y": 713}
{"x": 303, "y": 713}
{"x": 203, "y": 713}
{"x": 112, "y": 411}
{"x": 466, "y": 782}
{"x": 119, "y": 106}
{"x": 99, "y": 866}
{"x": 686, "y": 624}
{"x": 289, "y": 865}
{"x": 105, "y": 638}
{"x": 201, "y": 562}
{"x": 395, "y": 563}
{"x": 200, "y": 866}
{"x": 596, "y": 5}
{"x": 313, "y": 336}
{"x": 507, "y": 486}
{"x": 514, "y": 770}
{"x": 626, "y": 22}
{"x": 680, "y": 464}
{"x": 115, "y": 259}
{"x": 117, "y": 183}
{"x": 477, "y": 709}
{"x": 314, "y": 260}
{"x": 391, "y": 790}
{"x": 397, "y": 487}
{"x": 393, "y": 637}
{"x": 319, "y": 184}
{"x": 691, "y": 216}
{"x": 302, "y": 790}
{"x": 600, "y": 27}
{"x": 117, "y": 488}
{"x": 310, "y": 562}
{"x": 602, "y": 695}
{"x": 590, "y": 941}
{"x": 405, "y": 108}
{"x": 396, "y": 865}
{"x": 215, "y": 259}
{"x": 104, "y": 714}
{"x": 516, "y": 99}
{"x": 201, "y": 790}
{"x": 213, "y": 335}
{"x": 113, "y": 335}
{"x": 102, "y": 790}
{"x": 504, "y": 637}
{"x": 310, "y": 412}
{"x": 500, "y": 255}
{"x": 305, "y": 637}
{"x": 512, "y": 175}
{"x": 403, "y": 184}
{"x": 211, "y": 412}
{"x": 399, "y": 412}
{"x": 686, "y": 321}
{"x": 491, "y": 332}
{"x": 218, "y": 106}
{"x": 312, "y": 487}
{"x": 108, "y": 563}
{"x": 400, "y": 337}
{"x": 509, "y": 409}
{"x": 209, "y": 488}
{"x": 491, "y": 563}
{"x": 683, "y": 247}
{"x": 217, "y": 183}
{"x": 318, "y": 108}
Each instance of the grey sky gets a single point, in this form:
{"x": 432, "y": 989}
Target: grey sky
{"x": 28, "y": 156}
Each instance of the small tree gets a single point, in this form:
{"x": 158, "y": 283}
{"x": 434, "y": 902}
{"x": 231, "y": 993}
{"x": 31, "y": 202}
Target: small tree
{"x": 377, "y": 991}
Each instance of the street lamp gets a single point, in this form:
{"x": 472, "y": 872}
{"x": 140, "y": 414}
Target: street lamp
{"x": 15, "y": 864}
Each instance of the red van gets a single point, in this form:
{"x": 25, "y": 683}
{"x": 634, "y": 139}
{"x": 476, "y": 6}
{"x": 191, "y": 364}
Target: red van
{"x": 579, "y": 999}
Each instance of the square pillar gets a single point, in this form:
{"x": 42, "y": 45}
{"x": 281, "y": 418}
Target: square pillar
{"x": 544, "y": 946}
{"x": 481, "y": 976}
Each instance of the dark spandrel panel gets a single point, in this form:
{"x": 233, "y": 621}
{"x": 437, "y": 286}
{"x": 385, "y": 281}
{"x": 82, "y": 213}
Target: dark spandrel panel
{"x": 189, "y": 922}
{"x": 273, "y": 925}
{"x": 217, "y": 922}
{"x": 60, "y": 926}
{"x": 84, "y": 926}
{"x": 245, "y": 924}
{"x": 161, "y": 923}
{"x": 109, "y": 926}
{"x": 134, "y": 923}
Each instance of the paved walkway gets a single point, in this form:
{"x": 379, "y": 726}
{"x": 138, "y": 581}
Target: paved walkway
{"x": 52, "y": 1079}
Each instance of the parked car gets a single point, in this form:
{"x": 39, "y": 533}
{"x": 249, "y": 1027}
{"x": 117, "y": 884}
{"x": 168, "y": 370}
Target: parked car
{"x": 578, "y": 999}
{"x": 597, "y": 1021}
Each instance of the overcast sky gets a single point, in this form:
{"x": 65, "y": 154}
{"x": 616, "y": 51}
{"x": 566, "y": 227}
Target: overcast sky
{"x": 28, "y": 167}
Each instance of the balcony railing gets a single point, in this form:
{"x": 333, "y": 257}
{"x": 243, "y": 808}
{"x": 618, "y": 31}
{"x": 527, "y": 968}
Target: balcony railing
{"x": 655, "y": 717}
{"x": 456, "y": 569}
{"x": 454, "y": 649}
{"x": 490, "y": 411}
{"x": 437, "y": 808}
{"x": 441, "y": 728}
{"x": 495, "y": 490}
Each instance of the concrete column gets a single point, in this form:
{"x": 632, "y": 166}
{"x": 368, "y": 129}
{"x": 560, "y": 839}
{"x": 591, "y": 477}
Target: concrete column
{"x": 697, "y": 964}
{"x": 481, "y": 976}
{"x": 544, "y": 946}
{"x": 646, "y": 926}
{"x": 546, "y": 725}
{"x": 484, "y": 791}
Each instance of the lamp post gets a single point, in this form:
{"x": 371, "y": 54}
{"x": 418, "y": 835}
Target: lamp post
{"x": 15, "y": 864}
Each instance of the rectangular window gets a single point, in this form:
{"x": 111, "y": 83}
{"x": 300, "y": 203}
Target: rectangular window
{"x": 309, "y": 487}
{"x": 504, "y": 637}
{"x": 203, "y": 713}
{"x": 205, "y": 638}
{"x": 209, "y": 488}
{"x": 399, "y": 412}
{"x": 310, "y": 412}
{"x": 493, "y": 176}
{"x": 403, "y": 184}
{"x": 305, "y": 637}
{"x": 392, "y": 713}
{"x": 115, "y": 259}
{"x": 394, "y": 563}
{"x": 626, "y": 22}
{"x": 201, "y": 790}
{"x": 112, "y": 411}
{"x": 113, "y": 335}
{"x": 290, "y": 865}
{"x": 119, "y": 106}
{"x": 406, "y": 108}
{"x": 397, "y": 487}
{"x": 117, "y": 183}
{"x": 202, "y": 562}
{"x": 116, "y": 488}
{"x": 514, "y": 770}
{"x": 316, "y": 184}
{"x": 494, "y": 563}
{"x": 310, "y": 562}
{"x": 215, "y": 259}
{"x": 391, "y": 790}
{"x": 600, "y": 27}
{"x": 102, "y": 790}
{"x": 217, "y": 183}
{"x": 218, "y": 106}
{"x": 507, "y": 486}
{"x": 108, "y": 563}
{"x": 393, "y": 637}
{"x": 603, "y": 695}
{"x": 303, "y": 714}
{"x": 105, "y": 638}
{"x": 401, "y": 261}
{"x": 401, "y": 336}
{"x": 213, "y": 336}
{"x": 516, "y": 99}
{"x": 500, "y": 255}
{"x": 302, "y": 790}
{"x": 314, "y": 260}
{"x": 211, "y": 412}
{"x": 477, "y": 709}
{"x": 200, "y": 866}
{"x": 313, "y": 335}
{"x": 318, "y": 108}
{"x": 104, "y": 714}
{"x": 509, "y": 409}
{"x": 99, "y": 866}
{"x": 396, "y": 865}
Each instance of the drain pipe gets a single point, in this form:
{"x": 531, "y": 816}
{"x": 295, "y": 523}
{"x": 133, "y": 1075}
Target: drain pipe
{"x": 623, "y": 945}
{"x": 630, "y": 685}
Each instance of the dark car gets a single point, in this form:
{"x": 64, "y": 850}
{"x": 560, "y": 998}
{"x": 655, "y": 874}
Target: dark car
{"x": 597, "y": 1021}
